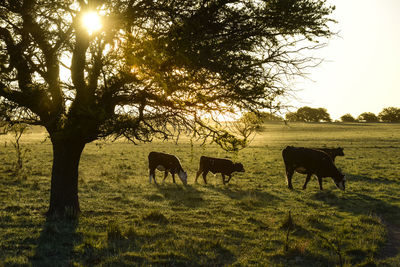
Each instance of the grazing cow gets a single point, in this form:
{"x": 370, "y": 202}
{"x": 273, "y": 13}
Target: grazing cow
{"x": 311, "y": 161}
{"x": 167, "y": 163}
{"x": 216, "y": 165}
{"x": 332, "y": 152}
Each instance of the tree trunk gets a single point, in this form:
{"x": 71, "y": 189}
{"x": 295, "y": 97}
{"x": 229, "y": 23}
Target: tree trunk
{"x": 64, "y": 177}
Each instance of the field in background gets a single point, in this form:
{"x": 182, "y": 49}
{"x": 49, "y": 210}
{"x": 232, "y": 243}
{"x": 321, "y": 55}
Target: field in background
{"x": 127, "y": 221}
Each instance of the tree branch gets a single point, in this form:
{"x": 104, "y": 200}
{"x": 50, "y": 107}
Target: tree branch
{"x": 78, "y": 63}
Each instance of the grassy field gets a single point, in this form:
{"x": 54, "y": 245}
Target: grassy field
{"x": 127, "y": 221}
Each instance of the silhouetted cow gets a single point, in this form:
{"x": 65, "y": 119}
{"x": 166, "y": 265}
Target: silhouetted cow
{"x": 216, "y": 165}
{"x": 167, "y": 163}
{"x": 332, "y": 152}
{"x": 311, "y": 161}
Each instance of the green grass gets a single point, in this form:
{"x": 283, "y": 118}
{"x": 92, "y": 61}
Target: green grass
{"x": 127, "y": 221}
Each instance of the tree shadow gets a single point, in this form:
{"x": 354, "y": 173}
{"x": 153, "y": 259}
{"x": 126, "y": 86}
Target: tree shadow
{"x": 360, "y": 203}
{"x": 240, "y": 194}
{"x": 363, "y": 204}
{"x": 179, "y": 195}
{"x": 56, "y": 243}
{"x": 371, "y": 181}
{"x": 295, "y": 257}
{"x": 128, "y": 247}
{"x": 194, "y": 253}
{"x": 248, "y": 199}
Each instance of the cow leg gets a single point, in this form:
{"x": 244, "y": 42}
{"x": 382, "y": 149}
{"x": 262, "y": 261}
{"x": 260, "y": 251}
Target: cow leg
{"x": 223, "y": 178}
{"x": 165, "y": 176}
{"x": 197, "y": 175}
{"x": 152, "y": 174}
{"x": 204, "y": 176}
{"x": 289, "y": 175}
{"x": 307, "y": 180}
{"x": 230, "y": 176}
{"x": 320, "y": 182}
{"x": 173, "y": 177}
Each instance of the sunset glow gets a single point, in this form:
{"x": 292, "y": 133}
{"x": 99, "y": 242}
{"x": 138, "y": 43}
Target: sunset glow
{"x": 92, "y": 22}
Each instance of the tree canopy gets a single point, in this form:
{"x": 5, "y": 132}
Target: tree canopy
{"x": 347, "y": 118}
{"x": 153, "y": 69}
{"x": 308, "y": 114}
{"x": 368, "y": 117}
{"x": 390, "y": 114}
{"x": 166, "y": 60}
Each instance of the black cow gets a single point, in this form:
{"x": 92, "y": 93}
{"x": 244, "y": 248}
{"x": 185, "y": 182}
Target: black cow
{"x": 167, "y": 163}
{"x": 332, "y": 152}
{"x": 311, "y": 161}
{"x": 216, "y": 165}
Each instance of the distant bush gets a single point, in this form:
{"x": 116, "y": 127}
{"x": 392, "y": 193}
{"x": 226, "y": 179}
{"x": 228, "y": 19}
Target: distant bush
{"x": 241, "y": 133}
{"x": 347, "y": 118}
{"x": 291, "y": 116}
{"x": 267, "y": 116}
{"x": 16, "y": 131}
{"x": 390, "y": 114}
{"x": 4, "y": 127}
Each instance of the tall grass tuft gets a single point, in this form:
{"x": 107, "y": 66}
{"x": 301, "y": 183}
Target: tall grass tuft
{"x": 288, "y": 227}
{"x": 156, "y": 217}
{"x": 114, "y": 232}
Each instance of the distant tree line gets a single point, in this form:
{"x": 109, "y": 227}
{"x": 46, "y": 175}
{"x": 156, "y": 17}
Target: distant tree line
{"x": 308, "y": 114}
{"x": 389, "y": 114}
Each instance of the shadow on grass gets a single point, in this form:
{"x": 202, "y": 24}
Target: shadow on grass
{"x": 219, "y": 257}
{"x": 155, "y": 259}
{"x": 296, "y": 257}
{"x": 372, "y": 181}
{"x": 56, "y": 243}
{"x": 247, "y": 199}
{"x": 179, "y": 195}
{"x": 237, "y": 193}
{"x": 156, "y": 247}
{"x": 363, "y": 204}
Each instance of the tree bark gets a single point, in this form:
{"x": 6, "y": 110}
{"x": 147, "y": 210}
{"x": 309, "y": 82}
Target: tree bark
{"x": 64, "y": 177}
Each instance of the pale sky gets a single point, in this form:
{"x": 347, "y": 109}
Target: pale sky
{"x": 362, "y": 68}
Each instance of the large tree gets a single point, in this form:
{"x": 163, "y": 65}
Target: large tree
{"x": 367, "y": 117}
{"x": 308, "y": 114}
{"x": 390, "y": 114}
{"x": 347, "y": 118}
{"x": 153, "y": 69}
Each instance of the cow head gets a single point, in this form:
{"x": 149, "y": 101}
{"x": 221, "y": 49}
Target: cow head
{"x": 183, "y": 176}
{"x": 339, "y": 151}
{"x": 341, "y": 182}
{"x": 238, "y": 167}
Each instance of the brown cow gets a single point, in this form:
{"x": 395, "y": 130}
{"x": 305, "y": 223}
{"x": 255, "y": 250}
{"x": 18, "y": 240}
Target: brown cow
{"x": 167, "y": 163}
{"x": 332, "y": 152}
{"x": 216, "y": 165}
{"x": 311, "y": 161}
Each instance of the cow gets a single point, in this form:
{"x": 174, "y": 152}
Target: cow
{"x": 216, "y": 165}
{"x": 332, "y": 152}
{"x": 311, "y": 161}
{"x": 167, "y": 163}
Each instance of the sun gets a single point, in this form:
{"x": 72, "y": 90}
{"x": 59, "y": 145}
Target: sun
{"x": 92, "y": 22}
